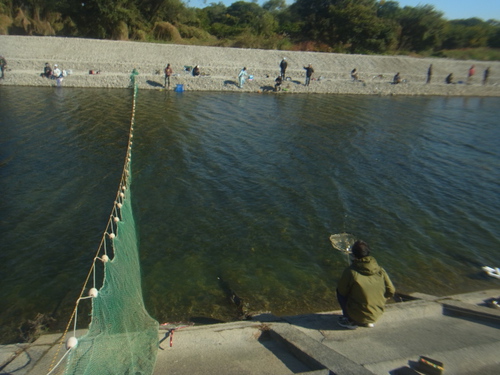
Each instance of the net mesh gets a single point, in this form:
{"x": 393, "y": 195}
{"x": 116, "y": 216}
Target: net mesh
{"x": 122, "y": 337}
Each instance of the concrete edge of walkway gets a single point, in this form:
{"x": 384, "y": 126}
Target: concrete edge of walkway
{"x": 39, "y": 356}
{"x": 313, "y": 353}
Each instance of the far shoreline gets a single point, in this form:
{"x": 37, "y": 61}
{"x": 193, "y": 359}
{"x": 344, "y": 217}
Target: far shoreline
{"x": 26, "y": 56}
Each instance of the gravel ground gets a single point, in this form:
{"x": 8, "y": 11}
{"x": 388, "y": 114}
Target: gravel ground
{"x": 27, "y": 55}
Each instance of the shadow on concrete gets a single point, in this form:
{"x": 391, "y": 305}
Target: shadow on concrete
{"x": 267, "y": 88}
{"x": 316, "y": 321}
{"x": 475, "y": 317}
{"x": 283, "y": 354}
{"x": 229, "y": 82}
{"x": 154, "y": 83}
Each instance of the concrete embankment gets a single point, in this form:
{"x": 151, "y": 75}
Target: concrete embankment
{"x": 114, "y": 60}
{"x": 460, "y": 331}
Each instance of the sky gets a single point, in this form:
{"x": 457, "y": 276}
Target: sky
{"x": 452, "y": 9}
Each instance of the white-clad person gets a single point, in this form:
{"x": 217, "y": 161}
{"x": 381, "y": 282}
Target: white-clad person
{"x": 57, "y": 75}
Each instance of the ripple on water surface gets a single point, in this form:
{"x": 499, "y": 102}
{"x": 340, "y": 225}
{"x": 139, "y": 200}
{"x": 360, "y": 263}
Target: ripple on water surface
{"x": 248, "y": 188}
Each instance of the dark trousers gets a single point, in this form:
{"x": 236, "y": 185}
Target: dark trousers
{"x": 343, "y": 304}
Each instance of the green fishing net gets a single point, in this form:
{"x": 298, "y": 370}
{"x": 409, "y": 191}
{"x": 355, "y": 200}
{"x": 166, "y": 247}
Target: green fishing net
{"x": 122, "y": 337}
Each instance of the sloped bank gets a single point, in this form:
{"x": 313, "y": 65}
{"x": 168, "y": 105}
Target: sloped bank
{"x": 115, "y": 60}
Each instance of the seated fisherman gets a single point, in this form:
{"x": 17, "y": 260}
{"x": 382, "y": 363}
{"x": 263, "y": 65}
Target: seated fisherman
{"x": 363, "y": 289}
{"x": 355, "y": 75}
{"x": 277, "y": 85}
{"x": 47, "y": 71}
{"x": 397, "y": 79}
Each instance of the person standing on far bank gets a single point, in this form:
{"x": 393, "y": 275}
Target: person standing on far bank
{"x": 397, "y": 79}
{"x": 3, "y": 66}
{"x": 429, "y": 74}
{"x": 283, "y": 66}
{"x": 472, "y": 70}
{"x": 486, "y": 75}
{"x": 168, "y": 73}
{"x": 363, "y": 289}
{"x": 449, "y": 78}
{"x": 242, "y": 77}
{"x": 309, "y": 71}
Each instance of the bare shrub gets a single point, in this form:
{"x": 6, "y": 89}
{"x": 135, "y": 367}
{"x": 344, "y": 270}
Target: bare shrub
{"x": 191, "y": 32}
{"x": 139, "y": 35}
{"x": 120, "y": 32}
{"x": 5, "y": 23}
{"x": 21, "y": 24}
{"x": 62, "y": 25}
{"x": 42, "y": 28}
{"x": 166, "y": 31}
{"x": 311, "y": 46}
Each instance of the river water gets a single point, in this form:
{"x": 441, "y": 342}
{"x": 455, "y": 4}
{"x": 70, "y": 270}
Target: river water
{"x": 248, "y": 188}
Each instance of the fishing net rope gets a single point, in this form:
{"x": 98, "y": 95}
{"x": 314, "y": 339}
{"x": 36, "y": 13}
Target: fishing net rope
{"x": 122, "y": 338}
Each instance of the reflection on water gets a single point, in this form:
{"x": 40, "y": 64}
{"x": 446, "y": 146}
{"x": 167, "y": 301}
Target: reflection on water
{"x": 245, "y": 187}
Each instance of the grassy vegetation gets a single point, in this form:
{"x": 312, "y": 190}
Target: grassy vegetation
{"x": 481, "y": 54}
{"x": 368, "y": 27}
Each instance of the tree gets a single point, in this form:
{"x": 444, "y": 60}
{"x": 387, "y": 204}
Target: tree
{"x": 244, "y": 14}
{"x": 389, "y": 10}
{"x": 239, "y": 17}
{"x": 162, "y": 10}
{"x": 103, "y": 18}
{"x": 422, "y": 28}
{"x": 361, "y": 30}
{"x": 494, "y": 39}
{"x": 347, "y": 25}
{"x": 467, "y": 33}
{"x": 265, "y": 24}
{"x": 36, "y": 9}
{"x": 274, "y": 6}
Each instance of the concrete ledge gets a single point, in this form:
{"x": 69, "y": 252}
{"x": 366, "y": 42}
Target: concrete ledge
{"x": 417, "y": 309}
{"x": 423, "y": 296}
{"x": 315, "y": 354}
{"x": 458, "y": 330}
{"x": 452, "y": 307}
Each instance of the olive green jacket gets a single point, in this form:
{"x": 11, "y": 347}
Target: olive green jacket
{"x": 366, "y": 286}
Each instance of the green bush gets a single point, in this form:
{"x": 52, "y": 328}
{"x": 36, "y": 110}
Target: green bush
{"x": 140, "y": 35}
{"x": 191, "y": 32}
{"x": 481, "y": 54}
